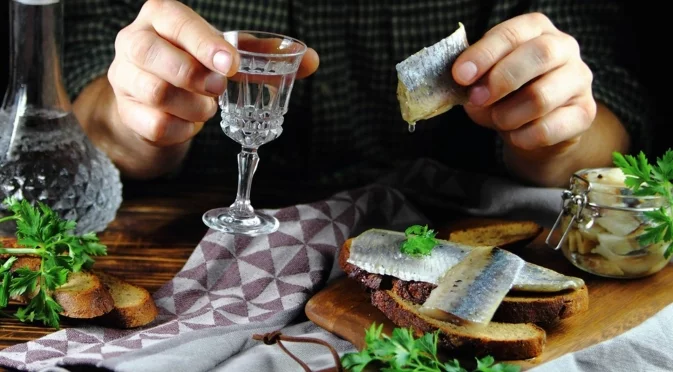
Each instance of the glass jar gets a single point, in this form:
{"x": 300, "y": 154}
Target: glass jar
{"x": 602, "y": 221}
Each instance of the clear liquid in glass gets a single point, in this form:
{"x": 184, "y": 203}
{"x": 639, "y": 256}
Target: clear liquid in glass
{"x": 254, "y": 104}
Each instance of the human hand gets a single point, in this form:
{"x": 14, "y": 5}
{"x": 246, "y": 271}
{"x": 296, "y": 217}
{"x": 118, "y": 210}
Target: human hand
{"x": 529, "y": 83}
{"x": 169, "y": 67}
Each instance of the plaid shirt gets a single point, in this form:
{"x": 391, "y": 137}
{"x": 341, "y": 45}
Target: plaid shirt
{"x": 344, "y": 124}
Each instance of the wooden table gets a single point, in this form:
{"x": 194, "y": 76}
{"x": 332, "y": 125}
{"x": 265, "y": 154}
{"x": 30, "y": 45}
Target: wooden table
{"x": 155, "y": 231}
{"x": 158, "y": 226}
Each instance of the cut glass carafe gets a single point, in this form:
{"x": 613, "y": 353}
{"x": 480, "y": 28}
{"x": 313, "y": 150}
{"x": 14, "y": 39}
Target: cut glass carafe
{"x": 44, "y": 153}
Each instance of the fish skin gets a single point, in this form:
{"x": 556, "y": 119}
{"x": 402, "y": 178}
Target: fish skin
{"x": 426, "y": 87}
{"x": 470, "y": 292}
{"x": 377, "y": 251}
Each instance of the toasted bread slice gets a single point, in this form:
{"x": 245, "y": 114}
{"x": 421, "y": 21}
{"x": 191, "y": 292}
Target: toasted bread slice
{"x": 109, "y": 299}
{"x": 133, "y": 305}
{"x": 503, "y": 234}
{"x": 83, "y": 296}
{"x": 516, "y": 307}
{"x": 502, "y": 341}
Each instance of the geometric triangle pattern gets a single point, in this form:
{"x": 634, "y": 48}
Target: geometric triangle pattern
{"x": 230, "y": 280}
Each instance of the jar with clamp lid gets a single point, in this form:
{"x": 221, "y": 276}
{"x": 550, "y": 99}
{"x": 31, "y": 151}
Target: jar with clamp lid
{"x": 601, "y": 222}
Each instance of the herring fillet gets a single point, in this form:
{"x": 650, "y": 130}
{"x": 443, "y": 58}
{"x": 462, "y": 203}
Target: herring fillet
{"x": 470, "y": 292}
{"x": 378, "y": 251}
{"x": 425, "y": 85}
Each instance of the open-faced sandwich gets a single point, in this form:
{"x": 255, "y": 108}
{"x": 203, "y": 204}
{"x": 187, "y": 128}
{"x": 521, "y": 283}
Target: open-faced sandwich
{"x": 483, "y": 300}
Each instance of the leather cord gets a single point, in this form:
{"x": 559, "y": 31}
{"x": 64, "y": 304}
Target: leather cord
{"x": 276, "y": 337}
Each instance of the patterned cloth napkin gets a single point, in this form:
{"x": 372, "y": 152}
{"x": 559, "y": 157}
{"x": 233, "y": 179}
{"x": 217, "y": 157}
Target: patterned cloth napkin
{"x": 233, "y": 287}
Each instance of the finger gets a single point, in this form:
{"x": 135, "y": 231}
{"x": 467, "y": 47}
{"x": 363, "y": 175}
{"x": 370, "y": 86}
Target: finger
{"x": 183, "y": 27}
{"x": 157, "y": 56}
{"x": 480, "y": 115}
{"x": 145, "y": 88}
{"x": 541, "y": 96}
{"x": 563, "y": 124}
{"x": 530, "y": 60}
{"x": 153, "y": 125}
{"x": 498, "y": 42}
{"x": 309, "y": 64}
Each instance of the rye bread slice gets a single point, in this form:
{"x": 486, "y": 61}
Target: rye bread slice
{"x": 502, "y": 341}
{"x": 516, "y": 307}
{"x": 133, "y": 305}
{"x": 503, "y": 234}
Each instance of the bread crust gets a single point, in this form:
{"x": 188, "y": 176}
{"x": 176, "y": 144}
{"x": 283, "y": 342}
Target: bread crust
{"x": 526, "y": 340}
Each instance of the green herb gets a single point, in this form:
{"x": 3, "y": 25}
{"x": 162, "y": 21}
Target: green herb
{"x": 41, "y": 232}
{"x": 419, "y": 240}
{"x": 403, "y": 352}
{"x": 647, "y": 179}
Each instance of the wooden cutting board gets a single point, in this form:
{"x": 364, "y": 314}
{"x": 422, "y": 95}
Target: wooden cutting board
{"x": 615, "y": 306}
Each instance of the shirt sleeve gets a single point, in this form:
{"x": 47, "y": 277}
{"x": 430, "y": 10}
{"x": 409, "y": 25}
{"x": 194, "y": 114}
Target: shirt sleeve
{"x": 90, "y": 30}
{"x": 599, "y": 28}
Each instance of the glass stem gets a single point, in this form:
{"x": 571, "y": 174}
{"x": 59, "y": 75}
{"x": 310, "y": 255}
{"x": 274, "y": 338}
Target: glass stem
{"x": 247, "y": 165}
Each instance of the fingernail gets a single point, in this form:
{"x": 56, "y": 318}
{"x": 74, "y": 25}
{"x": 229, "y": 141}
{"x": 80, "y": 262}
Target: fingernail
{"x": 479, "y": 95}
{"x": 216, "y": 83}
{"x": 467, "y": 71}
{"x": 222, "y": 61}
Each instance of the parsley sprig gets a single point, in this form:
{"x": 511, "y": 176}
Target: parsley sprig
{"x": 403, "y": 352}
{"x": 647, "y": 179}
{"x": 41, "y": 232}
{"x": 419, "y": 240}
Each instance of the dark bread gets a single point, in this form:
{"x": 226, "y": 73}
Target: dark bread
{"x": 502, "y": 341}
{"x": 503, "y": 234}
{"x": 517, "y": 307}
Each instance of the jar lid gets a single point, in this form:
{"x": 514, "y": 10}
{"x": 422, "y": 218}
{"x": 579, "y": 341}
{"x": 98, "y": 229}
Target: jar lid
{"x": 605, "y": 187}
{"x": 37, "y": 2}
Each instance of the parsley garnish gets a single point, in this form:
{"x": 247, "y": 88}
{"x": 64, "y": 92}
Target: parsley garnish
{"x": 403, "y": 352}
{"x": 419, "y": 240}
{"x": 41, "y": 232}
{"x": 646, "y": 179}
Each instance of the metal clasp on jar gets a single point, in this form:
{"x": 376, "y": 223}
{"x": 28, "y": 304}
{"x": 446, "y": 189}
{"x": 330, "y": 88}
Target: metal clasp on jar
{"x": 573, "y": 203}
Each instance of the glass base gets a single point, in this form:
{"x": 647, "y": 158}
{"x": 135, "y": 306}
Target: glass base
{"x": 220, "y": 220}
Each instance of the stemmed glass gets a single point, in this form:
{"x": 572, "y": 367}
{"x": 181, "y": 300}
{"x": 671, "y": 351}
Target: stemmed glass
{"x": 252, "y": 114}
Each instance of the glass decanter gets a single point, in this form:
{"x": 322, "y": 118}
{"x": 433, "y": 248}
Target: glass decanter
{"x": 44, "y": 153}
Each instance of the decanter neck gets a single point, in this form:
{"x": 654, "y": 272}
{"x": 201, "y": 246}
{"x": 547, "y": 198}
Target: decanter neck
{"x": 35, "y": 81}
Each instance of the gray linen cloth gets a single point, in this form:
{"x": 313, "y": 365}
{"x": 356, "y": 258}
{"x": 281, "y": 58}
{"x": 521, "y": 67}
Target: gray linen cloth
{"x": 234, "y": 287}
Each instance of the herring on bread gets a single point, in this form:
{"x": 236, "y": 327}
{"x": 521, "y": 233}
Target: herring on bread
{"x": 400, "y": 284}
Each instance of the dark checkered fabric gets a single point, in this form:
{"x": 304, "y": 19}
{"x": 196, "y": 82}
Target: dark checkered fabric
{"x": 344, "y": 124}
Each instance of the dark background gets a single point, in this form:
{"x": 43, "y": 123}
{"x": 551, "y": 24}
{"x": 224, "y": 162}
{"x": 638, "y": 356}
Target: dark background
{"x": 644, "y": 42}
